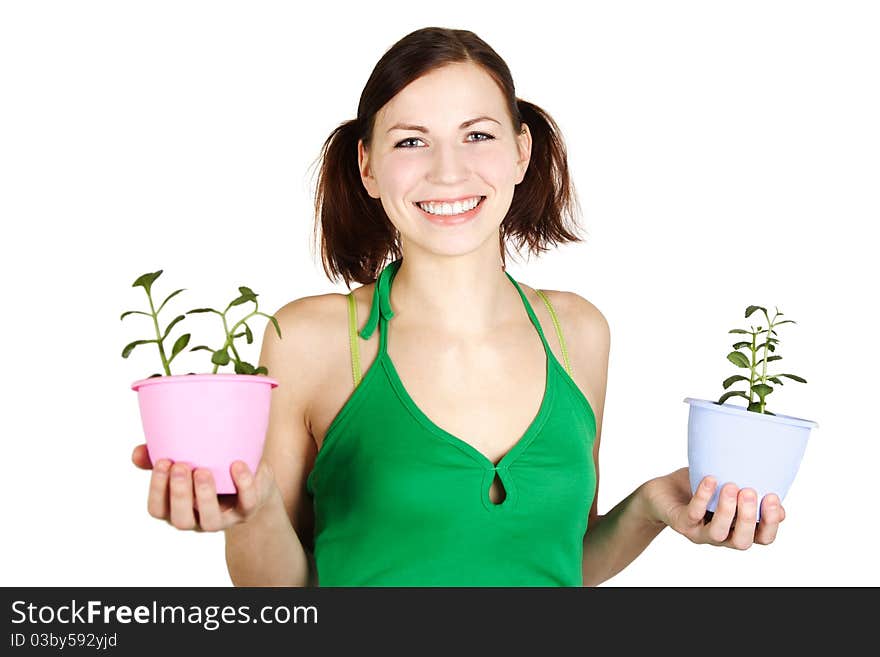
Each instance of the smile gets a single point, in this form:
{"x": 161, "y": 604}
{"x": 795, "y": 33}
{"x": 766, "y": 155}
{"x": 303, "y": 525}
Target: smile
{"x": 446, "y": 213}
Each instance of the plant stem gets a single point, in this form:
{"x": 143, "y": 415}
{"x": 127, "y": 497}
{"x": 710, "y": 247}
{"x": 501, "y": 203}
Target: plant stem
{"x": 754, "y": 349}
{"x": 226, "y": 342}
{"x": 158, "y": 335}
{"x": 230, "y": 333}
{"x": 766, "y": 354}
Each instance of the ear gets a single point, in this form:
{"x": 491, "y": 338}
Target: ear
{"x": 364, "y": 167}
{"x": 524, "y": 146}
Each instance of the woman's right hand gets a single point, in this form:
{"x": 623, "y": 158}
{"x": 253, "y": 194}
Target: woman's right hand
{"x": 188, "y": 500}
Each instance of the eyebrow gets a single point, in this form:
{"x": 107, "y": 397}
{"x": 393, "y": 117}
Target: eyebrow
{"x": 421, "y": 128}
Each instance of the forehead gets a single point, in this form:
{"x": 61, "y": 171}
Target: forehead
{"x": 451, "y": 93}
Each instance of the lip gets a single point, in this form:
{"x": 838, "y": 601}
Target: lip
{"x": 449, "y": 200}
{"x": 442, "y": 220}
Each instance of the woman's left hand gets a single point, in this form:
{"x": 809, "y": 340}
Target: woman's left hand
{"x": 734, "y": 522}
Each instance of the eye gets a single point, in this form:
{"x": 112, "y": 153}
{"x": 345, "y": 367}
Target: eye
{"x": 408, "y": 139}
{"x": 401, "y": 144}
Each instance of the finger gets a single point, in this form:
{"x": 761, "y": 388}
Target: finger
{"x": 746, "y": 518}
{"x": 182, "y": 515}
{"x": 696, "y": 509}
{"x": 771, "y": 515}
{"x": 141, "y": 457}
{"x": 719, "y": 528}
{"x": 206, "y": 500}
{"x": 245, "y": 484}
{"x": 157, "y": 500}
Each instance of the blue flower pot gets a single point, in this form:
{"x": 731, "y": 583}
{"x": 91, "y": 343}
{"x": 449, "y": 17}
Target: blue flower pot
{"x": 749, "y": 449}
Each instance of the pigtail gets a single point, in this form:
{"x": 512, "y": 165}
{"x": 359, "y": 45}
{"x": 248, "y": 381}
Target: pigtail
{"x": 543, "y": 211}
{"x": 356, "y": 232}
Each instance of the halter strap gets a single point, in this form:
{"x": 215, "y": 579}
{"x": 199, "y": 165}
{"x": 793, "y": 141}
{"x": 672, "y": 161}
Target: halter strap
{"x": 531, "y": 313}
{"x": 380, "y": 309}
{"x": 381, "y": 299}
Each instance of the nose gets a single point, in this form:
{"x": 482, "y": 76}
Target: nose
{"x": 449, "y": 165}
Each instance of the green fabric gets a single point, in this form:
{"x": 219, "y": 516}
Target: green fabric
{"x": 399, "y": 501}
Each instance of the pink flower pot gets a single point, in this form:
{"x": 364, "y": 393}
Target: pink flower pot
{"x": 206, "y": 420}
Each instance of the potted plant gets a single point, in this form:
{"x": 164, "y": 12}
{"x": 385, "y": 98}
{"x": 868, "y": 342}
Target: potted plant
{"x": 204, "y": 420}
{"x": 749, "y": 446}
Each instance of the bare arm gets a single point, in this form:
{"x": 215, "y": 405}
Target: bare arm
{"x": 266, "y": 551}
{"x": 274, "y": 547}
{"x": 615, "y": 539}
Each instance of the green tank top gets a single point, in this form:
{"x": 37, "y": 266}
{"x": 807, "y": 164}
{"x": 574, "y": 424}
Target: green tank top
{"x": 399, "y": 501}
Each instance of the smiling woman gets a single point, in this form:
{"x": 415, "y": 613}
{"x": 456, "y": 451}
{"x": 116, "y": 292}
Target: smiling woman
{"x": 414, "y": 149}
{"x": 451, "y": 166}
{"x": 464, "y": 452}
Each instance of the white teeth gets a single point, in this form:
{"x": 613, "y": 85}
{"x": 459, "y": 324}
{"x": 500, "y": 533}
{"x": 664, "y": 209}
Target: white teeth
{"x": 451, "y": 208}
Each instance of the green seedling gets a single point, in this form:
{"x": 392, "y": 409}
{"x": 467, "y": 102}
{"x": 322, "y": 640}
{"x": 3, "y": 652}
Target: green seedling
{"x": 219, "y": 356}
{"x": 757, "y": 382}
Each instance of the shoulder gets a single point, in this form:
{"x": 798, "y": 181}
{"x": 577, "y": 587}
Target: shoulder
{"x": 310, "y": 326}
{"x": 577, "y": 315}
{"x": 311, "y": 309}
{"x": 302, "y": 317}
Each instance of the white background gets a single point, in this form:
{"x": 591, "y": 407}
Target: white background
{"x": 725, "y": 154}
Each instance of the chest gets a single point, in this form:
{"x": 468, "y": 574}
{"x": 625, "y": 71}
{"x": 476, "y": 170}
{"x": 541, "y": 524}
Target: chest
{"x": 485, "y": 393}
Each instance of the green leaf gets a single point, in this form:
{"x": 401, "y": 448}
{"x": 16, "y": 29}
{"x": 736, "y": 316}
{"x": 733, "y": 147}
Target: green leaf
{"x": 153, "y": 376}
{"x": 785, "y": 321}
{"x": 146, "y": 280}
{"x": 738, "y": 359}
{"x": 742, "y": 345}
{"x": 793, "y": 376}
{"x": 732, "y": 393}
{"x": 739, "y": 331}
{"x": 775, "y": 380}
{"x": 248, "y": 292}
{"x": 250, "y": 336}
{"x": 169, "y": 297}
{"x": 129, "y": 347}
{"x": 762, "y": 390}
{"x": 202, "y": 347}
{"x": 220, "y": 357}
{"x": 261, "y": 370}
{"x": 240, "y": 300}
{"x": 243, "y": 367}
{"x": 277, "y": 328}
{"x": 769, "y": 359}
{"x": 756, "y": 407}
{"x": 179, "y": 345}
{"x": 752, "y": 309}
{"x": 171, "y": 325}
{"x": 733, "y": 379}
{"x": 203, "y": 310}
{"x": 134, "y": 312}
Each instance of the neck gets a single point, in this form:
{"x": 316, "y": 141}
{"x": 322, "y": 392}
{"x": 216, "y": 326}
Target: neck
{"x": 464, "y": 295}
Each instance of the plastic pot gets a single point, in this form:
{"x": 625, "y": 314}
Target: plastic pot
{"x": 206, "y": 420}
{"x": 749, "y": 449}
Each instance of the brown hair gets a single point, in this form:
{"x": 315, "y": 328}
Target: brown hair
{"x": 357, "y": 236}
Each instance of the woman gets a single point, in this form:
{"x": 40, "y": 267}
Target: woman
{"x": 464, "y": 449}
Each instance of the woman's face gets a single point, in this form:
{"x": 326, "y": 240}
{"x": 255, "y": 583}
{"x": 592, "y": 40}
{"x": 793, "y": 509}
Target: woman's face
{"x": 428, "y": 147}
